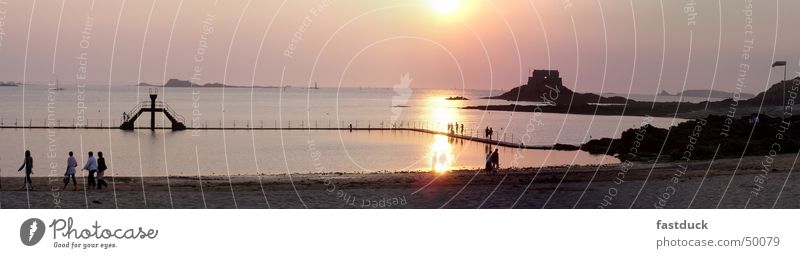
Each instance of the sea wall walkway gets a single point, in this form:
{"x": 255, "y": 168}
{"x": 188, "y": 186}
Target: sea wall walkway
{"x": 511, "y": 144}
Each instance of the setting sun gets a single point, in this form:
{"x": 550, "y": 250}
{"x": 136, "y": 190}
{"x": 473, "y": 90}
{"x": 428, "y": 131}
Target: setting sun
{"x": 445, "y": 6}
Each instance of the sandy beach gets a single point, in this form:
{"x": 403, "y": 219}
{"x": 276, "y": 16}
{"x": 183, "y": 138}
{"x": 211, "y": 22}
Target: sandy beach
{"x": 608, "y": 186}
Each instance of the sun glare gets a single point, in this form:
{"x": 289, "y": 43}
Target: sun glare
{"x": 445, "y": 6}
{"x": 441, "y": 154}
{"x": 441, "y": 112}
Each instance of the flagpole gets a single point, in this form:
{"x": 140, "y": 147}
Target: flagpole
{"x": 783, "y": 83}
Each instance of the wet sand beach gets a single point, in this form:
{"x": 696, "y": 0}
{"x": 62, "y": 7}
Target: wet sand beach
{"x": 608, "y": 186}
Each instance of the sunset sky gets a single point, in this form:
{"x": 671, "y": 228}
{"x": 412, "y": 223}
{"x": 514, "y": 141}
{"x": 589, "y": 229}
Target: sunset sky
{"x": 440, "y": 43}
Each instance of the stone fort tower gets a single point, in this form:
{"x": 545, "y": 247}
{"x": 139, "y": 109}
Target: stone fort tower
{"x": 544, "y": 77}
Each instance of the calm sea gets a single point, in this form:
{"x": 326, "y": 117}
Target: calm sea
{"x": 244, "y": 152}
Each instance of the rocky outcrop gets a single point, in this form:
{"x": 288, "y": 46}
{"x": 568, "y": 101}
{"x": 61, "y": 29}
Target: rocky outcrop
{"x": 698, "y": 139}
{"x": 174, "y": 83}
{"x": 546, "y": 86}
{"x": 776, "y": 95}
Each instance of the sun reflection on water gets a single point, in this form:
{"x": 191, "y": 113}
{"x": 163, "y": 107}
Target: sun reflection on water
{"x": 441, "y": 154}
{"x": 440, "y": 113}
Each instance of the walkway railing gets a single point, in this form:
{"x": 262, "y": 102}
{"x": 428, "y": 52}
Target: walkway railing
{"x": 470, "y": 133}
{"x": 159, "y": 105}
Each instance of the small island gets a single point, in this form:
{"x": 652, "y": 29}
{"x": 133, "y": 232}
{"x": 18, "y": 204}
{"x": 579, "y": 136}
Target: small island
{"x": 176, "y": 83}
{"x": 457, "y": 98}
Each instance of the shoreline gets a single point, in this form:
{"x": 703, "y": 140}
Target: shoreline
{"x": 551, "y": 187}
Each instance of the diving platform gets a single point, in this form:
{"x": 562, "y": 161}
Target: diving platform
{"x": 153, "y": 106}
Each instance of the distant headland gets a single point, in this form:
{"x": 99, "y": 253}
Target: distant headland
{"x": 717, "y": 94}
{"x": 176, "y": 83}
{"x": 10, "y": 84}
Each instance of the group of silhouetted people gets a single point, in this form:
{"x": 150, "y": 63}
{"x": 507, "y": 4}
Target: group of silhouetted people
{"x": 454, "y": 128}
{"x": 95, "y": 166}
{"x": 488, "y": 132}
{"x": 97, "y": 169}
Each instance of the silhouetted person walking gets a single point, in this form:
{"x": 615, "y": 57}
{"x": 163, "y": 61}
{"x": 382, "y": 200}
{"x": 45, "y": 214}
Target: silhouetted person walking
{"x": 462, "y": 129}
{"x": 72, "y": 164}
{"x": 495, "y": 161}
{"x": 91, "y": 166}
{"x": 101, "y": 170}
{"x": 27, "y": 164}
